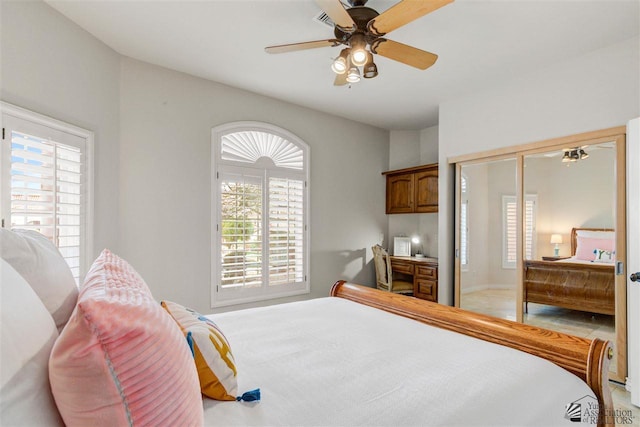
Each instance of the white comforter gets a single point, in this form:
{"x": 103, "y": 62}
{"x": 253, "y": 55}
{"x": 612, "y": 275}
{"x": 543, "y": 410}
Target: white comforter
{"x": 331, "y": 361}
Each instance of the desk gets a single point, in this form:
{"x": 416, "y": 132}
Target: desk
{"x": 423, "y": 272}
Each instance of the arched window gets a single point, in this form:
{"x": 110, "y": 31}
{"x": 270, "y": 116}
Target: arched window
{"x": 260, "y": 235}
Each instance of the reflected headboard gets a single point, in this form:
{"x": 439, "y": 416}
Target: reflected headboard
{"x": 574, "y": 236}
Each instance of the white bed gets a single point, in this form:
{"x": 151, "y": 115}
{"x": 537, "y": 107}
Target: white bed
{"x": 110, "y": 354}
{"x": 332, "y": 361}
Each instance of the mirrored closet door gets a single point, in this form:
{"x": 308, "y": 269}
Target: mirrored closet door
{"x": 487, "y": 225}
{"x": 540, "y": 237}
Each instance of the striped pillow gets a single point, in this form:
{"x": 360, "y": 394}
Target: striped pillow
{"x": 211, "y": 350}
{"x": 121, "y": 360}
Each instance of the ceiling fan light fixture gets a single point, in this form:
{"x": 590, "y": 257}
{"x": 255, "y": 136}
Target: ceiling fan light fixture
{"x": 370, "y": 70}
{"x": 359, "y": 57}
{"x": 340, "y": 65}
{"x": 583, "y": 154}
{"x": 566, "y": 157}
{"x": 354, "y": 75}
{"x": 358, "y": 50}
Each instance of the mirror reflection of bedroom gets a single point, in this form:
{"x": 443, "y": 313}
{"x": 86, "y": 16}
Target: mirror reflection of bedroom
{"x": 569, "y": 282}
{"x": 569, "y": 279}
{"x": 487, "y": 257}
{"x": 565, "y": 279}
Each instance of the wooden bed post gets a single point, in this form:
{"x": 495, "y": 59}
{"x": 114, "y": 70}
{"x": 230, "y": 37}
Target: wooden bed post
{"x": 588, "y": 359}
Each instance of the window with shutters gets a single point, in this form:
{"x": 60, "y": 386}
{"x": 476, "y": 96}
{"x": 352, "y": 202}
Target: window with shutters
{"x": 260, "y": 235}
{"x": 509, "y": 224}
{"x": 464, "y": 223}
{"x": 45, "y": 169}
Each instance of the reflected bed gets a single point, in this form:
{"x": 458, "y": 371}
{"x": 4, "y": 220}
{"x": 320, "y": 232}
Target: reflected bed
{"x": 575, "y": 283}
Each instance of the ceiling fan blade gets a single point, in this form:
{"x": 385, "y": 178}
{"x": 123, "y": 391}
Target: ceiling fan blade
{"x": 403, "y": 53}
{"x": 302, "y": 46}
{"x": 341, "y": 80}
{"x": 338, "y": 14}
{"x": 402, "y": 13}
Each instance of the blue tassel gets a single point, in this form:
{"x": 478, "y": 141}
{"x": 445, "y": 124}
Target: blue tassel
{"x": 190, "y": 342}
{"x": 250, "y": 396}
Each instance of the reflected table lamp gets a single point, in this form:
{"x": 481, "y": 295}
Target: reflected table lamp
{"x": 557, "y": 240}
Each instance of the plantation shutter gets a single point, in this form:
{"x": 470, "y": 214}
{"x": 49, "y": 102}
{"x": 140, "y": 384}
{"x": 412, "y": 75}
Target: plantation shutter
{"x": 286, "y": 230}
{"x": 241, "y": 220}
{"x": 464, "y": 223}
{"x": 46, "y": 185}
{"x": 529, "y": 227}
{"x": 464, "y": 233}
{"x": 510, "y": 221}
{"x": 509, "y": 229}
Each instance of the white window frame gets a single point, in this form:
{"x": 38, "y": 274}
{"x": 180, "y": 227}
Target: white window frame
{"x": 532, "y": 200}
{"x": 26, "y": 121}
{"x": 225, "y": 297}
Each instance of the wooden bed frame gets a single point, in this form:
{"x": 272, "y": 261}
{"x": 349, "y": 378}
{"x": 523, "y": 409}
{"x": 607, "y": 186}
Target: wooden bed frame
{"x": 587, "y": 359}
{"x": 586, "y": 287}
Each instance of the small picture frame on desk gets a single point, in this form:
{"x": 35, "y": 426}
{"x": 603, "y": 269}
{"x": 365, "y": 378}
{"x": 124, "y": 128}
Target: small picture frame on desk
{"x": 401, "y": 246}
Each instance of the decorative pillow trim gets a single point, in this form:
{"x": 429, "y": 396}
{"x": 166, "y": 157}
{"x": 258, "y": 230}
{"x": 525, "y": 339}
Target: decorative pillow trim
{"x": 603, "y": 255}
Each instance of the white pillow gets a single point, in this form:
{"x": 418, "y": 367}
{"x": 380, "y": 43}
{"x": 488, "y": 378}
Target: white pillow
{"x": 27, "y": 334}
{"x": 594, "y": 234}
{"x": 36, "y": 259}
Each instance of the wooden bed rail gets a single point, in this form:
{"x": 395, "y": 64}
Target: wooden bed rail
{"x": 588, "y": 359}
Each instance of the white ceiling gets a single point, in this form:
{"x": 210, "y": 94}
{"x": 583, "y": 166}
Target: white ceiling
{"x": 479, "y": 43}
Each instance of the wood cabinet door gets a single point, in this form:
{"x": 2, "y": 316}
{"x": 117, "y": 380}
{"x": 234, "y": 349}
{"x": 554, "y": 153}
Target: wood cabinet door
{"x": 426, "y": 191}
{"x": 400, "y": 193}
{"x": 426, "y": 289}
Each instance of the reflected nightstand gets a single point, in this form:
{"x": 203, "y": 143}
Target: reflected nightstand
{"x": 554, "y": 258}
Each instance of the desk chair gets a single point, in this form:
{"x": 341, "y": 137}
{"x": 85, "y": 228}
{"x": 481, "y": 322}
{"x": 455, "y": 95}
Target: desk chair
{"x": 384, "y": 278}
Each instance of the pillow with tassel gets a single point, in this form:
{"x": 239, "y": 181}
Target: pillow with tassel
{"x": 212, "y": 354}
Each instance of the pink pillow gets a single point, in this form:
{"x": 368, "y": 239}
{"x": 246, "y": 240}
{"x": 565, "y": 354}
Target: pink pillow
{"x": 121, "y": 359}
{"x": 586, "y": 246}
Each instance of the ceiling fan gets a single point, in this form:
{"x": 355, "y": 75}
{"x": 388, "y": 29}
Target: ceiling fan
{"x": 359, "y": 27}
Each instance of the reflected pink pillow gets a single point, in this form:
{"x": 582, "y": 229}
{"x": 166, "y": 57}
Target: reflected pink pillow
{"x": 586, "y": 246}
{"x": 121, "y": 359}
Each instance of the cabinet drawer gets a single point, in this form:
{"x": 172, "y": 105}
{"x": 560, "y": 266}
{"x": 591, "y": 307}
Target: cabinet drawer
{"x": 401, "y": 267}
{"x": 426, "y": 289}
{"x": 425, "y": 272}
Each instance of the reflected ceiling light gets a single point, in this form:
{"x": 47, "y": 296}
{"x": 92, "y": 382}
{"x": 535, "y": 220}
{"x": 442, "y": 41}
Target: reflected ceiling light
{"x": 339, "y": 65}
{"x": 583, "y": 154}
{"x": 574, "y": 154}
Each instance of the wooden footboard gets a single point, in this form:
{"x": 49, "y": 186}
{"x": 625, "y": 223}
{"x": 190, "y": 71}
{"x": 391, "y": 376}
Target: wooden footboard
{"x": 588, "y": 359}
{"x": 586, "y": 287}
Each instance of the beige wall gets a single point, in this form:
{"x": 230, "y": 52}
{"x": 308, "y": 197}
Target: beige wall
{"x": 407, "y": 149}
{"x": 165, "y": 169}
{"x": 581, "y": 195}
